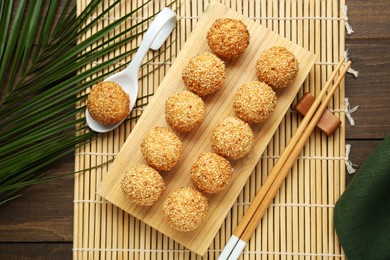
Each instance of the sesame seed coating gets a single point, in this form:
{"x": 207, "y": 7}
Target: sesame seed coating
{"x": 162, "y": 148}
{"x": 184, "y": 111}
{"x": 232, "y": 138}
{"x": 107, "y": 103}
{"x": 142, "y": 185}
{"x": 204, "y": 74}
{"x": 228, "y": 38}
{"x": 211, "y": 173}
{"x": 185, "y": 209}
{"x": 254, "y": 102}
{"x": 277, "y": 67}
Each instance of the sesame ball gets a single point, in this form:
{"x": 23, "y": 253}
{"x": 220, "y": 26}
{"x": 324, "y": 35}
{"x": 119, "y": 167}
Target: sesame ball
{"x": 162, "y": 148}
{"x": 232, "y": 138}
{"x": 204, "y": 74}
{"x": 211, "y": 173}
{"x": 277, "y": 67}
{"x": 228, "y": 38}
{"x": 185, "y": 209}
{"x": 254, "y": 102}
{"x": 184, "y": 111}
{"x": 142, "y": 185}
{"x": 107, "y": 103}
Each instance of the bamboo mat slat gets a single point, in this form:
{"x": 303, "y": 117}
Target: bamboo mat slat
{"x": 299, "y": 224}
{"x": 218, "y": 106}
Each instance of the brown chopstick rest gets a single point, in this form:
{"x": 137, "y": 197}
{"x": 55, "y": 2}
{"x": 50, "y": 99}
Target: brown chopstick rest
{"x": 328, "y": 122}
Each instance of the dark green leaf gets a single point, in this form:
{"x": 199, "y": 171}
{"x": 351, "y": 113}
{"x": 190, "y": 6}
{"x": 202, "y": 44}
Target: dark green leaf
{"x": 11, "y": 43}
{"x": 6, "y": 11}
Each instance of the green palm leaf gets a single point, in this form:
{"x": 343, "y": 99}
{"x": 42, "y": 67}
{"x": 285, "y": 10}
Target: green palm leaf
{"x": 42, "y": 73}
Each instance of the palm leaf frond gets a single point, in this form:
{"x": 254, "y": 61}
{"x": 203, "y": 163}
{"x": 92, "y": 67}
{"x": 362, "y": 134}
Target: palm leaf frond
{"x": 43, "y": 64}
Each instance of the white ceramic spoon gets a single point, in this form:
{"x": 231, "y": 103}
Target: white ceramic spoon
{"x": 154, "y": 37}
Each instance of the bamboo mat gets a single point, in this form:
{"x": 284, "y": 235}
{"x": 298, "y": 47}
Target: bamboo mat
{"x": 299, "y": 224}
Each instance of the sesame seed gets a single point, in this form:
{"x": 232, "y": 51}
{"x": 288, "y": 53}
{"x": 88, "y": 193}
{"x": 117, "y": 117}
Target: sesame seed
{"x": 204, "y": 74}
{"x": 277, "y": 67}
{"x": 185, "y": 209}
{"x": 254, "y": 102}
{"x": 232, "y": 138}
{"x": 184, "y": 111}
{"x": 108, "y": 103}
{"x": 228, "y": 38}
{"x": 211, "y": 173}
{"x": 142, "y": 185}
{"x": 162, "y": 148}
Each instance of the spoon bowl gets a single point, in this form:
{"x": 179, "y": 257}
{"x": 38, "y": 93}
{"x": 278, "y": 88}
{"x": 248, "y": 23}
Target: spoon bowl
{"x": 127, "y": 79}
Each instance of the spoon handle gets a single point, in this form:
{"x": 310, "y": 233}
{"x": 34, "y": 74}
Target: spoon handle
{"x": 154, "y": 37}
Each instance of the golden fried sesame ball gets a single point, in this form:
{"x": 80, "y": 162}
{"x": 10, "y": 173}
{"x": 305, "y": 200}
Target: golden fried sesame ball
{"x": 277, "y": 67}
{"x": 162, "y": 148}
{"x": 228, "y": 38}
{"x": 232, "y": 138}
{"x": 142, "y": 185}
{"x": 254, "y": 102}
{"x": 185, "y": 209}
{"x": 204, "y": 74}
{"x": 107, "y": 103}
{"x": 211, "y": 173}
{"x": 184, "y": 111}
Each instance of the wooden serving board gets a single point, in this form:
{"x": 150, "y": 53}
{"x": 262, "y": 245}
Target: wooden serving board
{"x": 218, "y": 106}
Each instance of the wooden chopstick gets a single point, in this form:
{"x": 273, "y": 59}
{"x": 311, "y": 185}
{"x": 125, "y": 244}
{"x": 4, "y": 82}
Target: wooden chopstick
{"x": 267, "y": 192}
{"x": 283, "y": 157}
{"x": 273, "y": 189}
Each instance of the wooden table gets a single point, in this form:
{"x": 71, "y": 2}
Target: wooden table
{"x": 39, "y": 224}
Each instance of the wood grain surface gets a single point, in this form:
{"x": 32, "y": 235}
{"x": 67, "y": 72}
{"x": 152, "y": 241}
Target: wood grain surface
{"x": 39, "y": 224}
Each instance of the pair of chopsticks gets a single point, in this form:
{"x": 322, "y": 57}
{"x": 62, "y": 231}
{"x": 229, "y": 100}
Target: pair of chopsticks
{"x": 279, "y": 172}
